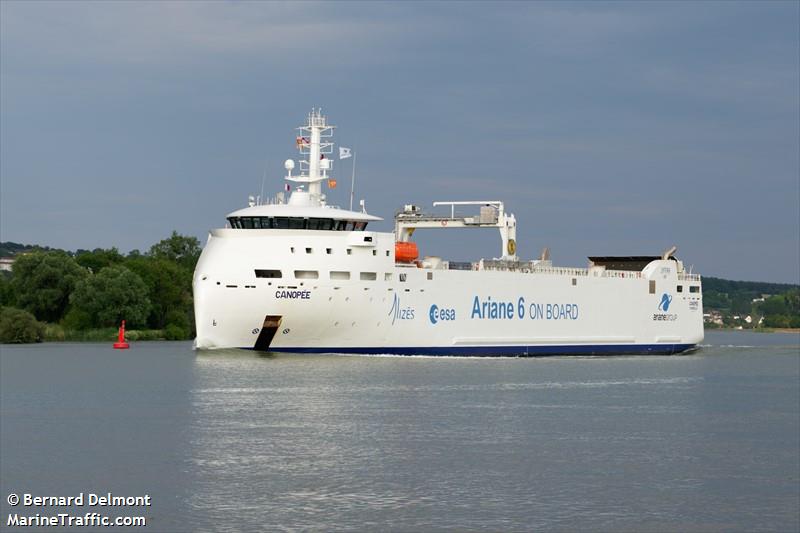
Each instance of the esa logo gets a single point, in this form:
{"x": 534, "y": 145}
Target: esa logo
{"x": 435, "y": 314}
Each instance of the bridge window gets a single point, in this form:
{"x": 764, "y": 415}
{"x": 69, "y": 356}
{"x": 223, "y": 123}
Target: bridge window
{"x": 325, "y": 224}
{"x": 268, "y": 273}
{"x": 694, "y": 288}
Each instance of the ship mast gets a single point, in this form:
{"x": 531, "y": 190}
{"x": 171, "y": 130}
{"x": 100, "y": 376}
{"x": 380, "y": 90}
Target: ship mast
{"x": 314, "y": 142}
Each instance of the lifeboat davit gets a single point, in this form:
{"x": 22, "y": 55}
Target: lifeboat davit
{"x": 405, "y": 252}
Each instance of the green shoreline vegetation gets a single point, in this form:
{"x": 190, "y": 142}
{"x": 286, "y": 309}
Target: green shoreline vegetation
{"x": 54, "y": 295}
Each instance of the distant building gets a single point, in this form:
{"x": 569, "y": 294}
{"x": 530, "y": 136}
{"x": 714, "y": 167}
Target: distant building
{"x": 6, "y": 263}
{"x": 712, "y": 317}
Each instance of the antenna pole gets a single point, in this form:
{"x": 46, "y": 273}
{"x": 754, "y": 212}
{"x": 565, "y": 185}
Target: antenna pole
{"x": 353, "y": 179}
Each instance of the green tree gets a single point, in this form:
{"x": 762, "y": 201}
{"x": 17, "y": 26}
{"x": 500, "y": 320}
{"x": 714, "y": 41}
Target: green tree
{"x": 98, "y": 258}
{"x": 43, "y": 282}
{"x": 178, "y": 248}
{"x": 169, "y": 289}
{"x": 113, "y": 294}
{"x": 7, "y": 296}
{"x": 18, "y": 326}
{"x": 774, "y": 305}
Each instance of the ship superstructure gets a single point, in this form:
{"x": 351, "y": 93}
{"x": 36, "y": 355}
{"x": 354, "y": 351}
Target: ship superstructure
{"x": 299, "y": 275}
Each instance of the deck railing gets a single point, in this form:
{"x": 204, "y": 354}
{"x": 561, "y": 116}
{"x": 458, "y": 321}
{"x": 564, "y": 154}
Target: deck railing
{"x": 529, "y": 267}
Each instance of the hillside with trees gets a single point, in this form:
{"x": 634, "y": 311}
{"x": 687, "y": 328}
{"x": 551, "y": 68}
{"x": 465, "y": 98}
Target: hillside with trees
{"x": 57, "y": 295}
{"x": 768, "y": 305}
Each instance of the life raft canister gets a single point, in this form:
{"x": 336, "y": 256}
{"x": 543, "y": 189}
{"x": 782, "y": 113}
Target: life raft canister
{"x": 405, "y": 252}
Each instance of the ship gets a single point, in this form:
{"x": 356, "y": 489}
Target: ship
{"x": 296, "y": 274}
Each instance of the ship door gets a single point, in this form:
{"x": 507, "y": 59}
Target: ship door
{"x": 271, "y": 325}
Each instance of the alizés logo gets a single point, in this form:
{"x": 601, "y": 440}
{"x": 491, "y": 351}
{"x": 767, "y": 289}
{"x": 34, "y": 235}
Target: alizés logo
{"x": 666, "y": 299}
{"x": 400, "y": 313}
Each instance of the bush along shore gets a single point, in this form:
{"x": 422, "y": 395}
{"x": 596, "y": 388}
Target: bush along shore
{"x": 54, "y": 295}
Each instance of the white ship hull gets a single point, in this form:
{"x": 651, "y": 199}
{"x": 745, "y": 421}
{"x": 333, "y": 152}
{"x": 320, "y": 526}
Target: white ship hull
{"x": 303, "y": 276}
{"x": 434, "y": 311}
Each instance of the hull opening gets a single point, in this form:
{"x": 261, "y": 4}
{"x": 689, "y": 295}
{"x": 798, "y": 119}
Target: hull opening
{"x": 267, "y": 333}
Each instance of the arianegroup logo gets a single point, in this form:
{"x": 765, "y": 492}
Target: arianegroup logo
{"x": 666, "y": 299}
{"x": 663, "y": 306}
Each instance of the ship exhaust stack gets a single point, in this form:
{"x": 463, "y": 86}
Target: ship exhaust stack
{"x": 668, "y": 253}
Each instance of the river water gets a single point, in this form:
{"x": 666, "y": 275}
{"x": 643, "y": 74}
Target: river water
{"x": 240, "y": 441}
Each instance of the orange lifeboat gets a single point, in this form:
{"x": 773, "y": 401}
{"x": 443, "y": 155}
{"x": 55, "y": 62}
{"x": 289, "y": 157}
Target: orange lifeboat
{"x": 405, "y": 252}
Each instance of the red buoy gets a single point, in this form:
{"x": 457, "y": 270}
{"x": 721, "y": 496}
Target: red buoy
{"x": 121, "y": 344}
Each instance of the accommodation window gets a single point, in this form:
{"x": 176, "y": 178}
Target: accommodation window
{"x": 387, "y": 276}
{"x": 338, "y": 274}
{"x": 306, "y": 274}
{"x": 349, "y": 251}
{"x": 309, "y": 250}
{"x": 694, "y": 288}
{"x": 652, "y": 286}
{"x": 268, "y": 273}
{"x": 387, "y": 253}
{"x": 680, "y": 288}
{"x": 297, "y": 223}
{"x": 368, "y": 276}
{"x": 328, "y": 251}
{"x": 574, "y": 281}
{"x": 374, "y": 252}
{"x": 430, "y": 275}
{"x": 402, "y": 277}
{"x": 282, "y": 222}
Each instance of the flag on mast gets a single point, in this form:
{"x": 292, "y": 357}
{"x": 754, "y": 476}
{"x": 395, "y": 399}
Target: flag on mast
{"x": 344, "y": 153}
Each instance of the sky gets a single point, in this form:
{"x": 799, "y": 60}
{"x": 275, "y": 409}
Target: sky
{"x": 606, "y": 128}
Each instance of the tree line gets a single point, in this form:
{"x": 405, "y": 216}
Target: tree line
{"x": 777, "y": 303}
{"x": 58, "y": 294}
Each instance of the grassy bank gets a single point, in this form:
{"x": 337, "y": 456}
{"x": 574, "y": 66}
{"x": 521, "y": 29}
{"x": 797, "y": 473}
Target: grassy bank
{"x": 57, "y": 333}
